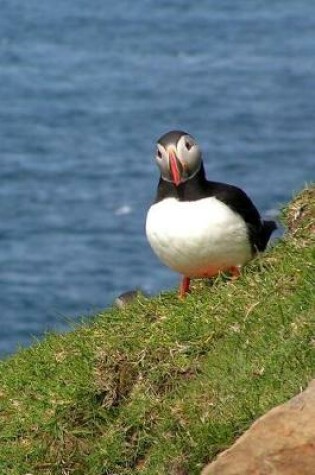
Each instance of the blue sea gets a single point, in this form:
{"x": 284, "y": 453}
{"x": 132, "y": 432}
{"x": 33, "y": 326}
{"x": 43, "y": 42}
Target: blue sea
{"x": 85, "y": 90}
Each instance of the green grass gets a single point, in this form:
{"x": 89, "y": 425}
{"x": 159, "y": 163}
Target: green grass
{"x": 164, "y": 385}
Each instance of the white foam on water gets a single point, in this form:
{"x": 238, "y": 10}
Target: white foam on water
{"x": 123, "y": 210}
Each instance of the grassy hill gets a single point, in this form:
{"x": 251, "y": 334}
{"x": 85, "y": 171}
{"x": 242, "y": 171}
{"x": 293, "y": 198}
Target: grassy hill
{"x": 161, "y": 386}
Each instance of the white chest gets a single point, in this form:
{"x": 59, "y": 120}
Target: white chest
{"x": 197, "y": 238}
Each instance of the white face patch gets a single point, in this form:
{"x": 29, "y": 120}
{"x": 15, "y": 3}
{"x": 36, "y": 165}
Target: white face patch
{"x": 196, "y": 238}
{"x": 188, "y": 154}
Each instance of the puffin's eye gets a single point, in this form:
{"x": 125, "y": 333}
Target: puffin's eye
{"x": 159, "y": 154}
{"x": 188, "y": 145}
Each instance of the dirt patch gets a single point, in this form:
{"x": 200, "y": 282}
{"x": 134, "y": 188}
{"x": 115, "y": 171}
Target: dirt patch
{"x": 300, "y": 215}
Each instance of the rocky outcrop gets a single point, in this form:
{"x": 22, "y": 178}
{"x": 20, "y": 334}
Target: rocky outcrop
{"x": 128, "y": 297}
{"x": 282, "y": 442}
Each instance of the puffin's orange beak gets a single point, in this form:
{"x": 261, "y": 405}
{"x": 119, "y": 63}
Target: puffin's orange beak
{"x": 174, "y": 167}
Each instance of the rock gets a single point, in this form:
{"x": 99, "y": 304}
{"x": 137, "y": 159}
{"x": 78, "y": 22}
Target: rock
{"x": 282, "y": 442}
{"x": 127, "y": 297}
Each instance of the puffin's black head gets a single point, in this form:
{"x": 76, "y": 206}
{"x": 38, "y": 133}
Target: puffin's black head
{"x": 178, "y": 156}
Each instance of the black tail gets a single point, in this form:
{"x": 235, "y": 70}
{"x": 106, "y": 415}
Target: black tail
{"x": 264, "y": 235}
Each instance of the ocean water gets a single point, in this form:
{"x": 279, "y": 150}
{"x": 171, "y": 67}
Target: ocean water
{"x": 85, "y": 90}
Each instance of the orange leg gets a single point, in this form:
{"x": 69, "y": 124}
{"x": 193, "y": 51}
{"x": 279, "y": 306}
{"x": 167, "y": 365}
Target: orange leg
{"x": 235, "y": 272}
{"x": 184, "y": 287}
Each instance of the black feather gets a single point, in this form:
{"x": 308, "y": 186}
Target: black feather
{"x": 198, "y": 188}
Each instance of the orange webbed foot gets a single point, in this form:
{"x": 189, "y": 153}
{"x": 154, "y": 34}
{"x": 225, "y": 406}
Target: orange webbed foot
{"x": 184, "y": 287}
{"x": 235, "y": 273}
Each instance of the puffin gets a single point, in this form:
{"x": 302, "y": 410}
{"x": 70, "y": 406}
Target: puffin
{"x": 200, "y": 228}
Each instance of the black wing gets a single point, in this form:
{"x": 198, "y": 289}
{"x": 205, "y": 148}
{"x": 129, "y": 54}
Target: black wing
{"x": 259, "y": 230}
